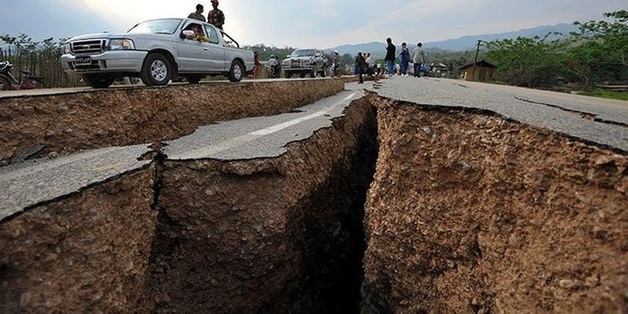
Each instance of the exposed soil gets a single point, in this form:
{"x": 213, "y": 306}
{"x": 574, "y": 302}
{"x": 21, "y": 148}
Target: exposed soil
{"x": 474, "y": 214}
{"x": 276, "y": 235}
{"x": 82, "y": 254}
{"x": 273, "y": 236}
{"x": 62, "y": 124}
{"x": 467, "y": 213}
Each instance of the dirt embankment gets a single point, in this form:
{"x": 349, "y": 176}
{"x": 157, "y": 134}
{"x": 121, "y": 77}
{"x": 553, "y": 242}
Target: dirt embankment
{"x": 275, "y": 235}
{"x": 473, "y": 214}
{"x": 61, "y": 124}
{"x": 85, "y": 253}
{"x": 278, "y": 235}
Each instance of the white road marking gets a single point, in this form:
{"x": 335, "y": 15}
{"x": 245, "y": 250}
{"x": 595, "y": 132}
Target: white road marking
{"x": 239, "y": 140}
{"x": 281, "y": 126}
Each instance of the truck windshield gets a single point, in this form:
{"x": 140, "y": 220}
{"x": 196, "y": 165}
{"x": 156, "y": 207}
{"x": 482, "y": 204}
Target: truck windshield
{"x": 303, "y": 53}
{"x": 163, "y": 26}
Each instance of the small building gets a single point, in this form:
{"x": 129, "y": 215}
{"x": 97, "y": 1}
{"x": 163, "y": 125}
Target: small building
{"x": 480, "y": 71}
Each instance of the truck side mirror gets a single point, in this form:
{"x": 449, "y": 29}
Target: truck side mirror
{"x": 187, "y": 34}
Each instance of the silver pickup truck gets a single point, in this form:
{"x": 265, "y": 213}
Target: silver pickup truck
{"x": 157, "y": 51}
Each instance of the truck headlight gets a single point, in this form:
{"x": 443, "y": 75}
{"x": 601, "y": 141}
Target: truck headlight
{"x": 67, "y": 48}
{"x": 121, "y": 44}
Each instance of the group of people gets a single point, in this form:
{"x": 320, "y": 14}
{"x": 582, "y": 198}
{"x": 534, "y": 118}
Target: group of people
{"x": 417, "y": 56}
{"x": 215, "y": 17}
{"x": 363, "y": 64}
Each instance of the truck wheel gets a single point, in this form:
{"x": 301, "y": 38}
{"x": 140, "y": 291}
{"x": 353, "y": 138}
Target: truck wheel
{"x": 98, "y": 81}
{"x": 236, "y": 71}
{"x": 155, "y": 70}
{"x": 323, "y": 71}
{"x": 287, "y": 74}
{"x": 4, "y": 83}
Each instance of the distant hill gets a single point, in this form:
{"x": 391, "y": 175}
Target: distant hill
{"x": 377, "y": 49}
{"x": 469, "y": 42}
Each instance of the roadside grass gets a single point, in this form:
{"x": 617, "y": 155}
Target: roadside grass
{"x": 602, "y": 93}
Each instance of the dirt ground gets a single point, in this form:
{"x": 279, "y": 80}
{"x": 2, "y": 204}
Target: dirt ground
{"x": 469, "y": 213}
{"x": 81, "y": 254}
{"x": 279, "y": 235}
{"x": 51, "y": 125}
{"x": 257, "y": 236}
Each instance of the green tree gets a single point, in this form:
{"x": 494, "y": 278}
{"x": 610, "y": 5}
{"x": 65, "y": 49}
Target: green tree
{"x": 531, "y": 62}
{"x": 612, "y": 35}
{"x": 265, "y": 51}
{"x": 599, "y": 51}
{"x": 347, "y": 59}
{"x": 38, "y": 57}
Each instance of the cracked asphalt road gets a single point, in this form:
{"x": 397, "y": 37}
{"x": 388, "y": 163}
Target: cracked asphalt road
{"x": 599, "y": 121}
{"x": 595, "y": 120}
{"x": 33, "y": 182}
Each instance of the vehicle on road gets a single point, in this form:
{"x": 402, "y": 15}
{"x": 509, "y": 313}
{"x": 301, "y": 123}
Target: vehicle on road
{"x": 25, "y": 81}
{"x": 157, "y": 51}
{"x": 424, "y": 70}
{"x": 273, "y": 67}
{"x": 303, "y": 62}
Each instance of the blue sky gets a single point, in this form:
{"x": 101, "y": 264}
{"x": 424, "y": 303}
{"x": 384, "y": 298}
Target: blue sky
{"x": 301, "y": 23}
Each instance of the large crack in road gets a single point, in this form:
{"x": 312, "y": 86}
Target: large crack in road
{"x": 426, "y": 195}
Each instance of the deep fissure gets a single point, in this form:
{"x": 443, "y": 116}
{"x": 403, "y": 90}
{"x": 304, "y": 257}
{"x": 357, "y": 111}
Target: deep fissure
{"x": 324, "y": 231}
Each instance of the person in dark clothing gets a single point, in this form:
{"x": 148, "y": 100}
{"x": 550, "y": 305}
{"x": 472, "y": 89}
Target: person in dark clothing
{"x": 405, "y": 60}
{"x": 361, "y": 65}
{"x": 390, "y": 56}
{"x": 198, "y": 14}
{"x": 215, "y": 16}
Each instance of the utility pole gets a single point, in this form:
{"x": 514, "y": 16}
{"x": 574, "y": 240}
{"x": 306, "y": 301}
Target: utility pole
{"x": 476, "y": 75}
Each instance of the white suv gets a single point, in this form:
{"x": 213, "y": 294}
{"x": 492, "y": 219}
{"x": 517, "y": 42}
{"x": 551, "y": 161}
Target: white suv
{"x": 305, "y": 61}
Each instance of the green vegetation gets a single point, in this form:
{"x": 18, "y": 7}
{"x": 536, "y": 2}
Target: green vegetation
{"x": 597, "y": 53}
{"x": 265, "y": 51}
{"x": 602, "y": 93}
{"x": 40, "y": 58}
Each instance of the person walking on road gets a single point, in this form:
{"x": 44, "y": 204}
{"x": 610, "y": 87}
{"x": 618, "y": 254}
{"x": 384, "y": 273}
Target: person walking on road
{"x": 336, "y": 64}
{"x": 198, "y": 14}
{"x": 390, "y": 57}
{"x": 361, "y": 65}
{"x": 369, "y": 65}
{"x": 215, "y": 16}
{"x": 418, "y": 57}
{"x": 405, "y": 60}
{"x": 256, "y": 64}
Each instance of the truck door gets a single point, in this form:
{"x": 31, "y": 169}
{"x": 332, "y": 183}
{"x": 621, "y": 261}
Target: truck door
{"x": 215, "y": 53}
{"x": 192, "y": 54}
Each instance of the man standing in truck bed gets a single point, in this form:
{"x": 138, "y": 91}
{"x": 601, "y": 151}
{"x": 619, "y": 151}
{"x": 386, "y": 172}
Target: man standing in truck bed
{"x": 198, "y": 14}
{"x": 215, "y": 16}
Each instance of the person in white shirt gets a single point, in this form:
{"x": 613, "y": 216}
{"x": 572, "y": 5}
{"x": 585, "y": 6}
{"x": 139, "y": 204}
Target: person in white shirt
{"x": 418, "y": 57}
